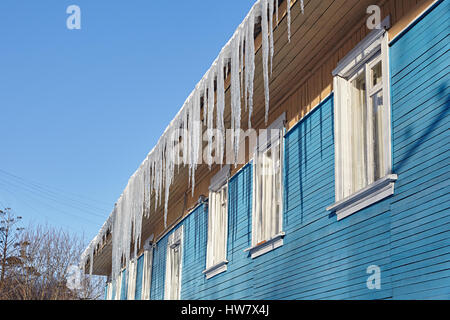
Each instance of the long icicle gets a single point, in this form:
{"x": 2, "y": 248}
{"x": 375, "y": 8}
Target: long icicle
{"x": 235, "y": 95}
{"x": 210, "y": 123}
{"x": 265, "y": 54}
{"x": 250, "y": 63}
{"x": 288, "y": 14}
{"x": 220, "y": 109}
{"x": 271, "y": 45}
{"x": 156, "y": 174}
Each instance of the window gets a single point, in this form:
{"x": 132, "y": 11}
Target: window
{"x": 119, "y": 286}
{"x": 147, "y": 274}
{"x": 123, "y": 285}
{"x": 131, "y": 288}
{"x": 173, "y": 265}
{"x": 144, "y": 272}
{"x": 362, "y": 126}
{"x": 217, "y": 224}
{"x": 109, "y": 291}
{"x": 267, "y": 217}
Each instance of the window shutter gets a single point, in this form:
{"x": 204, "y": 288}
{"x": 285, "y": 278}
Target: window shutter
{"x": 109, "y": 291}
{"x": 173, "y": 265}
{"x": 123, "y": 285}
{"x": 268, "y": 184}
{"x": 217, "y": 227}
{"x": 131, "y": 283}
{"x": 147, "y": 273}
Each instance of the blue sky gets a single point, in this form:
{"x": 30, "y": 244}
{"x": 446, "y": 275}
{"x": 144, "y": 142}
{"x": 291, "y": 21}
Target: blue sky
{"x": 80, "y": 109}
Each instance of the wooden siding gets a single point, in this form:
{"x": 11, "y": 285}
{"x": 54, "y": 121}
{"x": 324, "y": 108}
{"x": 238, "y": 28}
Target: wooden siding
{"x": 320, "y": 258}
{"x": 301, "y": 76}
{"x": 420, "y": 219}
{"x": 406, "y": 235}
{"x": 301, "y": 79}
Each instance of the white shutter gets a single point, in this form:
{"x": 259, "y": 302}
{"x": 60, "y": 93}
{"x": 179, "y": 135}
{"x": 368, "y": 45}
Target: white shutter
{"x": 147, "y": 274}
{"x": 131, "y": 280}
{"x": 362, "y": 116}
{"x": 173, "y": 265}
{"x": 109, "y": 291}
{"x": 118, "y": 286}
{"x": 267, "y": 185}
{"x": 217, "y": 227}
{"x": 216, "y": 250}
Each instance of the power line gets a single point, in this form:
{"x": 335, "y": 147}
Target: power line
{"x": 50, "y": 192}
{"x": 41, "y": 194}
{"x": 3, "y": 205}
{"x": 63, "y": 199}
{"x": 36, "y": 211}
{"x": 53, "y": 189}
{"x": 37, "y": 199}
{"x": 22, "y": 201}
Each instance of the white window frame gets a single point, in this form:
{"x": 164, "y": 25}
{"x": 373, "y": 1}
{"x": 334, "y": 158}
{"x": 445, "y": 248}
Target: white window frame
{"x": 370, "y": 51}
{"x": 266, "y": 141}
{"x": 216, "y": 252}
{"x": 118, "y": 281}
{"x": 175, "y": 244}
{"x": 147, "y": 270}
{"x": 109, "y": 290}
{"x": 131, "y": 278}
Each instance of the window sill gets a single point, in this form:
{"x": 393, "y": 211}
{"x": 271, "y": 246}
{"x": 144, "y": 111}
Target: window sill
{"x": 367, "y": 196}
{"x": 269, "y": 245}
{"x": 216, "y": 269}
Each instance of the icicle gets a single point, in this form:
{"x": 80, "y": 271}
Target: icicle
{"x": 271, "y": 8}
{"x": 235, "y": 95}
{"x": 241, "y": 59}
{"x": 265, "y": 54}
{"x": 220, "y": 109}
{"x": 250, "y": 63}
{"x": 210, "y": 122}
{"x": 195, "y": 129}
{"x": 91, "y": 260}
{"x": 205, "y": 102}
{"x": 185, "y": 135}
{"x": 276, "y": 10}
{"x": 156, "y": 173}
{"x": 169, "y": 170}
{"x": 189, "y": 132}
{"x": 115, "y": 243}
{"x": 302, "y": 6}
{"x": 175, "y": 138}
{"x": 288, "y": 13}
{"x": 226, "y": 68}
{"x": 126, "y": 213}
{"x": 88, "y": 254}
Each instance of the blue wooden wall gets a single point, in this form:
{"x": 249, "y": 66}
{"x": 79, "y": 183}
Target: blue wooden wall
{"x": 407, "y": 235}
{"x": 113, "y": 290}
{"x": 159, "y": 270}
{"x": 420, "y": 218}
{"x": 139, "y": 276}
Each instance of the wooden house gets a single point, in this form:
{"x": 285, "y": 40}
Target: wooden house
{"x": 347, "y": 197}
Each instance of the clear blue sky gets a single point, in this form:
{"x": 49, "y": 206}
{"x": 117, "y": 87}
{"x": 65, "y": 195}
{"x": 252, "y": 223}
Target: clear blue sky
{"x": 80, "y": 109}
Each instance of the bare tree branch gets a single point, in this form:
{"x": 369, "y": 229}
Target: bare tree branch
{"x": 35, "y": 263}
